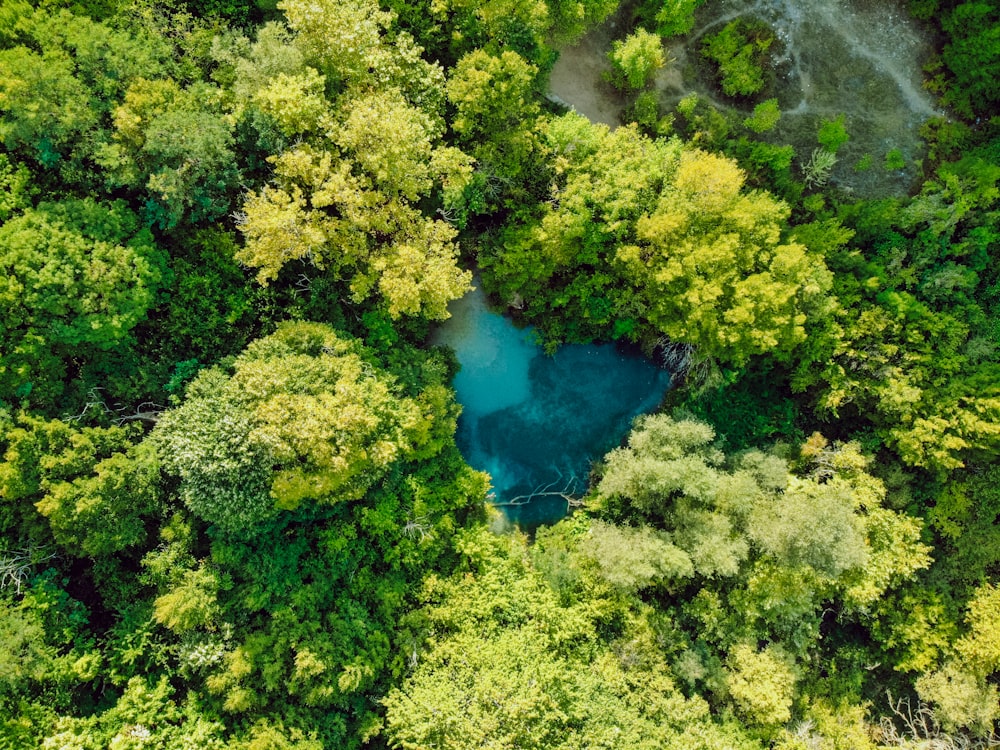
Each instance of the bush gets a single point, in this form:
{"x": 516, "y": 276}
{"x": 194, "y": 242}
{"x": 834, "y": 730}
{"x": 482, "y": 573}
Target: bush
{"x": 894, "y": 160}
{"x": 740, "y": 51}
{"x": 765, "y": 116}
{"x": 832, "y": 134}
{"x": 645, "y": 111}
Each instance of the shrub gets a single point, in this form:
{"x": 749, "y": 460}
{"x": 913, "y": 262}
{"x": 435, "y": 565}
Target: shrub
{"x": 740, "y": 51}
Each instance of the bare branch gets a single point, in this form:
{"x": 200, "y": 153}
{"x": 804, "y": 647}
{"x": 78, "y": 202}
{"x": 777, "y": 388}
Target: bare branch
{"x": 94, "y": 403}
{"x": 147, "y": 411}
{"x": 16, "y": 566}
{"x": 566, "y": 492}
{"x": 674, "y": 356}
{"x": 922, "y": 729}
{"x": 418, "y": 526}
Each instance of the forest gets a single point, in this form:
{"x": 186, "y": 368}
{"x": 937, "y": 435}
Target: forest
{"x": 233, "y": 513}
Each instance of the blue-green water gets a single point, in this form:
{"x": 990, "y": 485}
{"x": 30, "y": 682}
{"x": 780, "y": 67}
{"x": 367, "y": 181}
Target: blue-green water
{"x": 535, "y": 422}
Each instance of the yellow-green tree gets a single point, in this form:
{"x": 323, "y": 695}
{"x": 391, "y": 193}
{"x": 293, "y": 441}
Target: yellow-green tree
{"x": 359, "y": 116}
{"x": 646, "y": 239}
{"x": 635, "y": 59}
{"x": 302, "y": 417}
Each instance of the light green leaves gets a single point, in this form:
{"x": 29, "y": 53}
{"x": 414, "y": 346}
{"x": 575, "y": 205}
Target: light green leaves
{"x": 302, "y": 417}
{"x": 635, "y": 59}
{"x": 661, "y": 236}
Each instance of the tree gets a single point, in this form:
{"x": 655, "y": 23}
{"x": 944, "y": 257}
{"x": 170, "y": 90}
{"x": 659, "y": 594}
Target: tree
{"x": 343, "y": 199}
{"x": 190, "y": 603}
{"x": 296, "y": 101}
{"x": 908, "y": 314}
{"x": 46, "y": 109}
{"x": 712, "y": 268}
{"x": 980, "y": 648}
{"x": 832, "y": 134}
{"x": 174, "y": 145}
{"x": 669, "y": 17}
{"x": 105, "y": 513}
{"x": 303, "y": 416}
{"x": 493, "y": 94}
{"x": 145, "y": 713}
{"x": 398, "y": 154}
{"x": 765, "y": 116}
{"x": 635, "y": 60}
{"x": 813, "y": 524}
{"x": 500, "y": 661}
{"x": 571, "y": 19}
{"x": 762, "y": 684}
{"x": 960, "y": 690}
{"x": 972, "y": 56}
{"x": 73, "y": 275}
{"x": 520, "y": 26}
{"x": 95, "y": 487}
{"x": 377, "y": 242}
{"x": 634, "y": 558}
{"x": 344, "y": 38}
{"x": 769, "y": 549}
{"x": 961, "y": 699}
{"x": 496, "y": 121}
{"x": 647, "y": 239}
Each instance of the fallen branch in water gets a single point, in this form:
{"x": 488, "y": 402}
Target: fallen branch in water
{"x": 566, "y": 493}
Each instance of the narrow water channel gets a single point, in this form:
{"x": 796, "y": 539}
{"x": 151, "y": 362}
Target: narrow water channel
{"x": 535, "y": 422}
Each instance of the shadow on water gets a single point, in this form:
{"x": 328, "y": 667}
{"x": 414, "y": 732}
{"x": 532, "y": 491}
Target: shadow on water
{"x": 535, "y": 423}
{"x": 859, "y": 58}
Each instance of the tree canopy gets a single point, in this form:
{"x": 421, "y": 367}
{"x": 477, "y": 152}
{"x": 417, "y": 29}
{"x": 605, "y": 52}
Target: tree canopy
{"x": 233, "y": 512}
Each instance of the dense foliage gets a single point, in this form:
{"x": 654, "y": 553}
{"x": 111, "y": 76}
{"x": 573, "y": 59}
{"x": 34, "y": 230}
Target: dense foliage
{"x": 232, "y": 511}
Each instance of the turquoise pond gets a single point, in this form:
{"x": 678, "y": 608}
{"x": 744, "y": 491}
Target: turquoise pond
{"x": 534, "y": 422}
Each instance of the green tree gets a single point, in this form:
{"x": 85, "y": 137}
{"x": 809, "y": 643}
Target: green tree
{"x": 344, "y": 37}
{"x": 496, "y": 121}
{"x": 812, "y": 524}
{"x": 175, "y": 145}
{"x": 93, "y": 485}
{"x": 500, "y": 661}
{"x": 377, "y": 243}
{"x": 761, "y": 683}
{"x": 634, "y": 558}
{"x": 572, "y": 18}
{"x": 908, "y": 315}
{"x": 770, "y": 551}
{"x": 669, "y": 17}
{"x": 105, "y": 513}
{"x": 765, "y": 116}
{"x": 833, "y": 134}
{"x": 359, "y": 154}
{"x": 972, "y": 55}
{"x": 73, "y": 275}
{"x": 145, "y": 713}
{"x": 493, "y": 94}
{"x": 303, "y": 416}
{"x": 46, "y": 109}
{"x": 740, "y": 50}
{"x": 190, "y": 603}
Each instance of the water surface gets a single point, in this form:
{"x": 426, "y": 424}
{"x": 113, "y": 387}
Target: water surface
{"x": 536, "y": 422}
{"x": 857, "y": 58}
